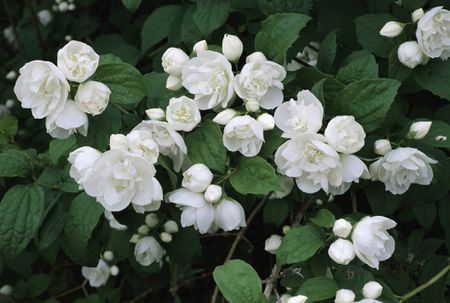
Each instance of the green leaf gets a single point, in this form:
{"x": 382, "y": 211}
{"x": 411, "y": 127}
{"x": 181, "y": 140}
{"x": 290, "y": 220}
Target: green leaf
{"x": 276, "y": 211}
{"x": 254, "y": 176}
{"x": 157, "y": 94}
{"x": 37, "y": 285}
{"x": 238, "y": 282}
{"x": 8, "y": 128}
{"x": 211, "y": 14}
{"x": 156, "y": 27}
{"x": 125, "y": 81}
{"x": 272, "y": 140}
{"x": 21, "y": 211}
{"x": 318, "y": 289}
{"x": 367, "y": 100}
{"x": 363, "y": 68}
{"x": 300, "y": 244}
{"x": 324, "y": 218}
{"x": 270, "y": 7}
{"x": 327, "y": 52}
{"x": 278, "y": 33}
{"x": 435, "y": 77}
{"x": 211, "y": 151}
{"x": 84, "y": 214}
{"x": 131, "y": 5}
{"x": 52, "y": 227}
{"x": 60, "y": 147}
{"x": 190, "y": 32}
{"x": 425, "y": 214}
{"x": 14, "y": 163}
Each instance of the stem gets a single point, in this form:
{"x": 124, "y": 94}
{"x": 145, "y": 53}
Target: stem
{"x": 306, "y": 64}
{"x": 81, "y": 286}
{"x": 123, "y": 110}
{"x": 433, "y": 280}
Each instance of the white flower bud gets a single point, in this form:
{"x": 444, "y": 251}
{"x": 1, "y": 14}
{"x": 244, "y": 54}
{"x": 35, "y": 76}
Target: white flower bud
{"x": 6, "y": 290}
{"x": 342, "y": 228}
{"x": 63, "y": 6}
{"x": 45, "y": 17}
{"x": 410, "y": 54}
{"x": 392, "y": 29}
{"x": 297, "y": 299}
{"x": 68, "y": 37}
{"x": 173, "y": 61}
{"x": 92, "y": 97}
{"x": 173, "y": 83}
{"x": 344, "y": 296}
{"x": 11, "y": 75}
{"x": 10, "y": 103}
{"x": 372, "y": 290}
{"x": 267, "y": 121}
{"x": 114, "y": 270}
{"x": 151, "y": 220}
{"x": 252, "y": 106}
{"x": 272, "y": 244}
{"x": 155, "y": 113}
{"x": 382, "y": 147}
{"x": 71, "y": 7}
{"x": 232, "y": 47}
{"x": 165, "y": 237}
{"x": 225, "y": 116}
{"x": 213, "y": 193}
{"x": 108, "y": 256}
{"x": 135, "y": 238}
{"x": 417, "y": 14}
{"x": 200, "y": 46}
{"x": 143, "y": 230}
{"x": 255, "y": 57}
{"x": 341, "y": 251}
{"x": 286, "y": 229}
{"x": 171, "y": 227}
{"x": 197, "y": 178}
{"x": 419, "y": 130}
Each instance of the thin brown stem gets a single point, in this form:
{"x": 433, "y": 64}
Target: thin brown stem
{"x": 82, "y": 286}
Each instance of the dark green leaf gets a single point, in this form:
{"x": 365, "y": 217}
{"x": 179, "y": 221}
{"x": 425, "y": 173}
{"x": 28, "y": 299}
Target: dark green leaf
{"x": 324, "y": 218}
{"x": 359, "y": 69}
{"x": 8, "y": 128}
{"x": 276, "y": 211}
{"x": 299, "y": 244}
{"x": 131, "y": 5}
{"x": 14, "y": 163}
{"x": 60, "y": 147}
{"x": 211, "y": 14}
{"x": 435, "y": 77}
{"x": 318, "y": 289}
{"x": 327, "y": 52}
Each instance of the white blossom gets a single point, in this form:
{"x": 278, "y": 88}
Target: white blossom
{"x": 78, "y": 61}
{"x": 272, "y": 244}
{"x": 372, "y": 290}
{"x": 138, "y": 142}
{"x": 232, "y": 47}
{"x": 97, "y": 276}
{"x": 229, "y": 215}
{"x": 148, "y": 251}
{"x": 173, "y": 61}
{"x": 66, "y": 122}
{"x": 92, "y": 97}
{"x": 345, "y": 135}
{"x": 197, "y": 178}
{"x": 342, "y": 228}
{"x": 433, "y": 33}
{"x": 183, "y": 114}
{"x": 341, "y": 251}
{"x": 243, "y": 134}
{"x": 82, "y": 160}
{"x": 410, "y": 54}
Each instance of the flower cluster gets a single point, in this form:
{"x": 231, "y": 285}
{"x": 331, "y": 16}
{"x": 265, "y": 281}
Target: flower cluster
{"x": 64, "y": 6}
{"x": 45, "y": 89}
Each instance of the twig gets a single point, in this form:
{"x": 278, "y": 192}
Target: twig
{"x": 36, "y": 25}
{"x": 82, "y": 286}
{"x": 141, "y": 296}
{"x": 13, "y": 25}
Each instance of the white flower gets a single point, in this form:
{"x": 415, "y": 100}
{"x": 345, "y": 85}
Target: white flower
{"x": 11, "y": 75}
{"x": 392, "y": 29}
{"x": 41, "y": 87}
{"x": 284, "y": 298}
{"x": 113, "y": 223}
{"x": 401, "y": 167}
{"x": 45, "y": 17}
{"x": 138, "y": 142}
{"x": 92, "y": 97}
{"x": 232, "y": 47}
{"x": 410, "y": 54}
{"x": 297, "y": 299}
{"x": 66, "y": 122}
{"x": 225, "y": 116}
{"x": 173, "y": 83}
{"x": 382, "y": 147}
{"x": 155, "y": 113}
{"x": 254, "y": 57}
{"x": 303, "y": 115}
{"x": 148, "y": 250}
{"x": 173, "y": 61}
{"x": 200, "y": 46}
{"x": 97, "y": 276}
{"x": 151, "y": 220}
{"x": 433, "y": 33}
{"x": 267, "y": 121}
{"x": 6, "y": 290}
{"x": 119, "y": 178}
{"x": 272, "y": 244}
{"x": 313, "y": 163}
{"x": 341, "y": 251}
{"x": 165, "y": 237}
{"x": 243, "y": 134}
{"x": 170, "y": 227}
{"x": 371, "y": 241}
{"x": 417, "y": 14}
{"x": 353, "y": 169}
{"x": 418, "y": 130}
{"x": 182, "y": 114}
{"x": 372, "y": 290}
{"x": 345, "y": 135}
{"x": 210, "y": 78}
{"x": 344, "y": 296}
{"x": 286, "y": 184}
{"x": 213, "y": 193}
{"x": 197, "y": 178}
{"x": 170, "y": 142}
{"x": 78, "y": 61}
{"x": 229, "y": 215}
{"x": 261, "y": 81}
{"x": 82, "y": 160}
{"x": 342, "y": 228}
{"x": 195, "y": 210}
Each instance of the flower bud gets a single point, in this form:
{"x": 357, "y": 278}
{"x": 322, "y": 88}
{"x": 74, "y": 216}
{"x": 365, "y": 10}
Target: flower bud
{"x": 200, "y": 46}
{"x": 341, "y": 251}
{"x": 151, "y": 220}
{"x": 197, "y": 178}
{"x": 114, "y": 270}
{"x": 344, "y": 296}
{"x": 255, "y": 57}
{"x": 165, "y": 237}
{"x": 92, "y": 97}
{"x": 419, "y": 130}
{"x": 171, "y": 227}
{"x": 297, "y": 299}
{"x": 143, "y": 230}
{"x": 342, "y": 228}
{"x": 410, "y": 54}
{"x": 71, "y": 7}
{"x": 272, "y": 244}
{"x": 382, "y": 147}
{"x": 173, "y": 61}
{"x": 9, "y": 103}
{"x": 173, "y": 83}
{"x": 225, "y": 116}
{"x": 286, "y": 229}
{"x": 63, "y": 6}
{"x": 135, "y": 238}
{"x": 108, "y": 256}
{"x": 417, "y": 14}
{"x": 44, "y": 16}
{"x": 232, "y": 47}
{"x": 372, "y": 290}
{"x": 252, "y": 106}
{"x": 6, "y": 290}
{"x": 392, "y": 29}
{"x": 11, "y": 75}
{"x": 213, "y": 193}
{"x": 267, "y": 121}
{"x": 68, "y": 37}
{"x": 155, "y": 113}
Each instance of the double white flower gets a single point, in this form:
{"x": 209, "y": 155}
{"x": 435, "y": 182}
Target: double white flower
{"x": 243, "y": 134}
{"x": 433, "y": 33}
{"x": 148, "y": 251}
